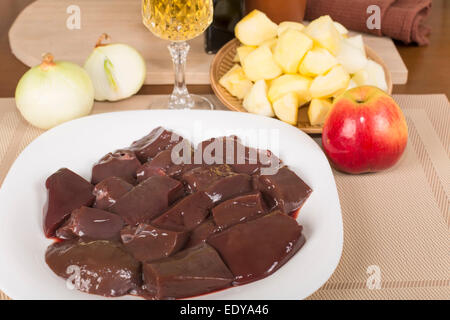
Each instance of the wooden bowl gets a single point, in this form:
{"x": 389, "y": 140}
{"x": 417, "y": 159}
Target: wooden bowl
{"x": 223, "y": 61}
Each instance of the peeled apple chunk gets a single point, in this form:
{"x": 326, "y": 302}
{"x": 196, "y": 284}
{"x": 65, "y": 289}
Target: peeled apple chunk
{"x": 358, "y": 42}
{"x": 318, "y": 111}
{"x": 271, "y": 43}
{"x": 236, "y": 82}
{"x": 243, "y": 51}
{"x": 256, "y": 101}
{"x": 324, "y": 32}
{"x": 372, "y": 75}
{"x": 317, "y": 62}
{"x": 291, "y": 47}
{"x": 54, "y": 92}
{"x": 290, "y": 83}
{"x": 286, "y": 108}
{"x": 118, "y": 71}
{"x": 283, "y": 26}
{"x": 340, "y": 28}
{"x": 352, "y": 84}
{"x": 260, "y": 65}
{"x": 255, "y": 28}
{"x": 326, "y": 85}
{"x": 351, "y": 57}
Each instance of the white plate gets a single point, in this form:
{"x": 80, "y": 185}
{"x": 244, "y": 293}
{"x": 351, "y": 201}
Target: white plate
{"x": 79, "y": 143}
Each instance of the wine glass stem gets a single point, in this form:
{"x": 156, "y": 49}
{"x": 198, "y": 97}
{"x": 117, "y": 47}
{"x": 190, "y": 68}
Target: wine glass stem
{"x": 180, "y": 98}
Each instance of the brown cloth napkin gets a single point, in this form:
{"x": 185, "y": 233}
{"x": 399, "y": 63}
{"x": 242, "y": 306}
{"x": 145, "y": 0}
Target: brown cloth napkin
{"x": 400, "y": 19}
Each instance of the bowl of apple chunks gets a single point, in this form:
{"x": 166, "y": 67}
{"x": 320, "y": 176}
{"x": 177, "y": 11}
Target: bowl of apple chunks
{"x": 292, "y": 71}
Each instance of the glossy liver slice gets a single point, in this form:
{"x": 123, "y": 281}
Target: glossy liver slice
{"x": 188, "y": 213}
{"x": 92, "y": 224}
{"x": 67, "y": 191}
{"x": 257, "y": 248}
{"x": 214, "y": 150}
{"x": 105, "y": 267}
{"x": 148, "y": 200}
{"x": 242, "y": 159}
{"x": 284, "y": 190}
{"x": 162, "y": 164}
{"x": 229, "y": 187}
{"x": 149, "y": 243}
{"x": 238, "y": 210}
{"x": 108, "y": 191}
{"x": 200, "y": 234}
{"x": 188, "y": 273}
{"x": 121, "y": 163}
{"x": 159, "y": 139}
{"x": 199, "y": 179}
{"x": 253, "y": 161}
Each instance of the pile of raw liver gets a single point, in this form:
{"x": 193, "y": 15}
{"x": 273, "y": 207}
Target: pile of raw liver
{"x": 150, "y": 227}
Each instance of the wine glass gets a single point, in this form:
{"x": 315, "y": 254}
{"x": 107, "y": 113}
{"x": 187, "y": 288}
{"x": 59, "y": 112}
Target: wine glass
{"x": 179, "y": 21}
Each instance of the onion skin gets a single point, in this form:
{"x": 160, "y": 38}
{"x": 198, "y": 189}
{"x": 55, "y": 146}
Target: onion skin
{"x": 54, "y": 92}
{"x": 118, "y": 71}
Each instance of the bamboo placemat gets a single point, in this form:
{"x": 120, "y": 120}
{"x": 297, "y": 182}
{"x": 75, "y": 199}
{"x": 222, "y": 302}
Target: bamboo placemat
{"x": 396, "y": 223}
{"x": 42, "y": 27}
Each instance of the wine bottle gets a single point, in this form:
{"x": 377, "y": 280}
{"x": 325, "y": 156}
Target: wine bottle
{"x": 226, "y": 14}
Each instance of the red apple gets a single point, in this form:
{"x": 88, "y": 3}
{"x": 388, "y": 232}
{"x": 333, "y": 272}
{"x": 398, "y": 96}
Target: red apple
{"x": 365, "y": 131}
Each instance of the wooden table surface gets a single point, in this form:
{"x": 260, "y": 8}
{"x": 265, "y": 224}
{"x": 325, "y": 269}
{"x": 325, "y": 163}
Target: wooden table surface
{"x": 429, "y": 66}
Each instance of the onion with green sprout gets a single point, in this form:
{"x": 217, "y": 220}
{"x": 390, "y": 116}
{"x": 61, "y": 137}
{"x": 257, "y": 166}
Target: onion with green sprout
{"x": 117, "y": 70}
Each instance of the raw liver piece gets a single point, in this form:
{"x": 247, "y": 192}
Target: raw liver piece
{"x": 206, "y": 150}
{"x": 187, "y": 213}
{"x": 188, "y": 273}
{"x": 241, "y": 158}
{"x": 229, "y": 187}
{"x": 199, "y": 179}
{"x": 148, "y": 243}
{"x": 284, "y": 190}
{"x": 93, "y": 224}
{"x": 109, "y": 190}
{"x": 67, "y": 191}
{"x": 257, "y": 248}
{"x": 121, "y": 163}
{"x": 238, "y": 210}
{"x": 148, "y": 200}
{"x": 201, "y": 233}
{"x": 162, "y": 165}
{"x": 252, "y": 161}
{"x": 105, "y": 267}
{"x": 159, "y": 139}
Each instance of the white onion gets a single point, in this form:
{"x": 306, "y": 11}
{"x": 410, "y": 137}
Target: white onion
{"x": 117, "y": 70}
{"x": 54, "y": 92}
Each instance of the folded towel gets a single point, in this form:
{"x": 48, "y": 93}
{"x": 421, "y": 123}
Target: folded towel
{"x": 400, "y": 19}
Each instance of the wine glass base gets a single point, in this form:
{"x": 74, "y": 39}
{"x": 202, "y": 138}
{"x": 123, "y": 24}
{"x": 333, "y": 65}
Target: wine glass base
{"x": 195, "y": 102}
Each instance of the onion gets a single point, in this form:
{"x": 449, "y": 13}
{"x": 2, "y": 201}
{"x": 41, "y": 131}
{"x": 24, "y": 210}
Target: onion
{"x": 117, "y": 70}
{"x": 54, "y": 92}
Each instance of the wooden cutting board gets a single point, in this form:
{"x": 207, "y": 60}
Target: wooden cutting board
{"x": 42, "y": 27}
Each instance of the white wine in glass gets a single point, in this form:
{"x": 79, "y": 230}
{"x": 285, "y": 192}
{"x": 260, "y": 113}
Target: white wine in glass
{"x": 179, "y": 21}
